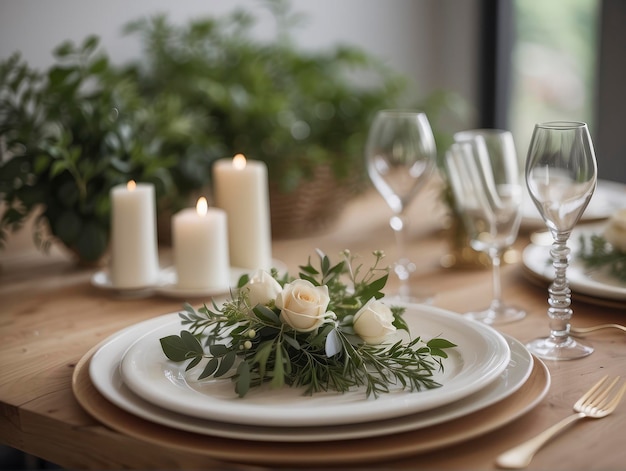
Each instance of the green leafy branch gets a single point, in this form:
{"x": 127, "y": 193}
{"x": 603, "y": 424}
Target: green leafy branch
{"x": 260, "y": 348}
{"x": 596, "y": 252}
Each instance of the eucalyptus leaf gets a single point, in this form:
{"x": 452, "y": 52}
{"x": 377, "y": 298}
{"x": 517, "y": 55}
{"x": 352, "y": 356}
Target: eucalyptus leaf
{"x": 174, "y": 348}
{"x": 438, "y": 342}
{"x": 193, "y": 363}
{"x": 266, "y": 314}
{"x": 217, "y": 350}
{"x": 243, "y": 379}
{"x": 278, "y": 373}
{"x": 210, "y": 368}
{"x": 262, "y": 356}
{"x": 292, "y": 341}
{"x": 191, "y": 342}
{"x": 226, "y": 364}
{"x": 243, "y": 279}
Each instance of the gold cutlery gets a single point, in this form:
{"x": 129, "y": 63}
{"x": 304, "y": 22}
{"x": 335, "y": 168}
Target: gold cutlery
{"x": 585, "y": 330}
{"x": 595, "y": 404}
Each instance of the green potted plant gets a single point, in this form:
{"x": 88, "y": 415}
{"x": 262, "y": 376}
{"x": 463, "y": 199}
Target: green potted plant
{"x": 68, "y": 135}
{"x": 304, "y": 113}
{"x": 201, "y": 91}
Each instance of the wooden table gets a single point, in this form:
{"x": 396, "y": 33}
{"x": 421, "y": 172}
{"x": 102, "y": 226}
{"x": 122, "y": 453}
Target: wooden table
{"x": 51, "y": 316}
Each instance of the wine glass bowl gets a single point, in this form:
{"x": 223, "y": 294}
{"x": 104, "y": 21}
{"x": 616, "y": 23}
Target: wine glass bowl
{"x": 400, "y": 155}
{"x": 561, "y": 176}
{"x": 483, "y": 172}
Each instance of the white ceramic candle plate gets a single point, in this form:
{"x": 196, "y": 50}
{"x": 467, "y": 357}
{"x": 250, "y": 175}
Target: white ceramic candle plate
{"x": 169, "y": 286}
{"x": 105, "y": 376}
{"x": 102, "y": 280}
{"x": 479, "y": 358}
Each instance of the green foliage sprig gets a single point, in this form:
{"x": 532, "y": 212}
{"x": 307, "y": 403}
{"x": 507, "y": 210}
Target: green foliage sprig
{"x": 264, "y": 349}
{"x": 596, "y": 252}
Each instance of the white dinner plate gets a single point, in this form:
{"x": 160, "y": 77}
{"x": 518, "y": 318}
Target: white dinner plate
{"x": 608, "y": 198}
{"x": 105, "y": 376}
{"x": 594, "y": 282}
{"x": 480, "y": 356}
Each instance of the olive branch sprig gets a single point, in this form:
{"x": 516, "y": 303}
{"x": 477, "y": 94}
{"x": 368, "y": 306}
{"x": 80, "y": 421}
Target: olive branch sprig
{"x": 260, "y": 348}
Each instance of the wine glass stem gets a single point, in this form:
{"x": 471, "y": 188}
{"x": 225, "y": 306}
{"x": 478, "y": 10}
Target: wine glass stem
{"x": 559, "y": 311}
{"x": 495, "y": 255}
{"x": 403, "y": 266}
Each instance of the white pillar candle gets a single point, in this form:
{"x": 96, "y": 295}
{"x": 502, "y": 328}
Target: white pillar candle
{"x": 241, "y": 189}
{"x": 200, "y": 242}
{"x": 134, "y": 251}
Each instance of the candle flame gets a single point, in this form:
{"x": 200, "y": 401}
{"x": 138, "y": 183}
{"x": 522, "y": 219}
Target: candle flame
{"x": 131, "y": 185}
{"x": 202, "y": 206}
{"x": 239, "y": 162}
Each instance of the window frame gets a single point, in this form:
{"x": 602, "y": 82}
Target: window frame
{"x": 497, "y": 40}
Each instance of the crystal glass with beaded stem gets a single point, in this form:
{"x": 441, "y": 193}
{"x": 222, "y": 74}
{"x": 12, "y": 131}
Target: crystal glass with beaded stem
{"x": 483, "y": 171}
{"x": 561, "y": 175}
{"x": 400, "y": 155}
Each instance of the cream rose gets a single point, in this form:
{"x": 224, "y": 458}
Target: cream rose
{"x": 374, "y": 322}
{"x": 262, "y": 288}
{"x": 303, "y": 305}
{"x": 615, "y": 231}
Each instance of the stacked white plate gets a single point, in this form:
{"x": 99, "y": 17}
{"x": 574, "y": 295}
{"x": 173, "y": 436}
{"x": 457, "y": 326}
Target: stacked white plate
{"x": 598, "y": 285}
{"x": 131, "y": 371}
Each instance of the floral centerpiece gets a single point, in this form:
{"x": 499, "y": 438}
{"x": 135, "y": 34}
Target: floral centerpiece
{"x": 607, "y": 249}
{"x": 316, "y": 332}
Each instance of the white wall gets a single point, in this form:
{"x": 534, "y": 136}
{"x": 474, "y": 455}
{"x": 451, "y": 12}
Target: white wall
{"x": 431, "y": 41}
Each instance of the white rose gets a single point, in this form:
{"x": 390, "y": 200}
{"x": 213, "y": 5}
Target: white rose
{"x": 615, "y": 231}
{"x": 374, "y": 322}
{"x": 262, "y": 288}
{"x": 303, "y": 305}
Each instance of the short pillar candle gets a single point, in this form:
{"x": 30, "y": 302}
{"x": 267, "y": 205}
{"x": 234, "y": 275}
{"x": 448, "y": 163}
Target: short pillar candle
{"x": 134, "y": 249}
{"x": 200, "y": 245}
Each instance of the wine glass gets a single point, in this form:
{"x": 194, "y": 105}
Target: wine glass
{"x": 400, "y": 155}
{"x": 483, "y": 170}
{"x": 561, "y": 175}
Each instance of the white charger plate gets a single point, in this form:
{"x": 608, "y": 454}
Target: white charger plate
{"x": 593, "y": 282}
{"x": 479, "y": 358}
{"x": 105, "y": 376}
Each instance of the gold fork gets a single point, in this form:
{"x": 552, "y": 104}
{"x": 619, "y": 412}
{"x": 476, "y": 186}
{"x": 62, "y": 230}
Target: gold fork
{"x": 585, "y": 330}
{"x": 595, "y": 404}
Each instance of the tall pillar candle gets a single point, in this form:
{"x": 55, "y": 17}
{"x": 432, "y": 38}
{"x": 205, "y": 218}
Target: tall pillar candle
{"x": 241, "y": 189}
{"x": 134, "y": 251}
{"x": 200, "y": 242}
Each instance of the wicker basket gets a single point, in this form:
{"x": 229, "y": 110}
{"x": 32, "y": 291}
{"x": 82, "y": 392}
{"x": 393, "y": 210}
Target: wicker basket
{"x": 312, "y": 208}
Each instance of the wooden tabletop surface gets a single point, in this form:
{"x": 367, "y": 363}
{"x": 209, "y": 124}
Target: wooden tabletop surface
{"x": 51, "y": 316}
